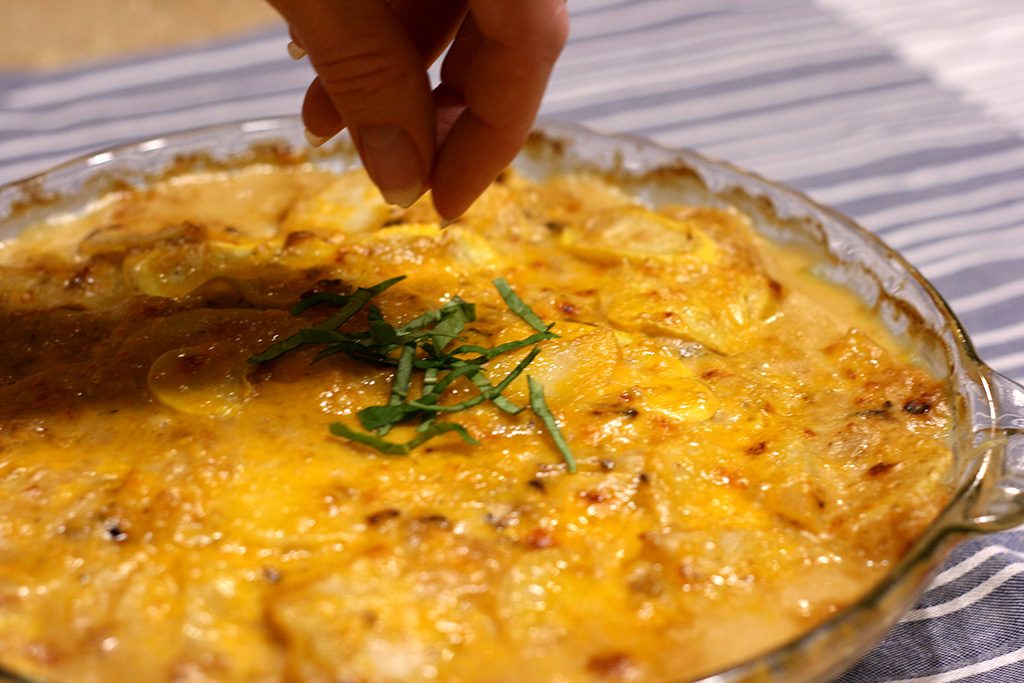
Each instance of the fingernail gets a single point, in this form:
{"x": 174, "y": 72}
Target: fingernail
{"x": 314, "y": 139}
{"x": 392, "y": 161}
{"x": 295, "y": 50}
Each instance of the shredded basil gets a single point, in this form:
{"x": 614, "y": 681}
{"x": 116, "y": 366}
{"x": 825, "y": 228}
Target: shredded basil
{"x": 425, "y": 344}
{"x": 540, "y": 407}
{"x": 520, "y": 307}
{"x": 392, "y": 448}
{"x": 350, "y": 305}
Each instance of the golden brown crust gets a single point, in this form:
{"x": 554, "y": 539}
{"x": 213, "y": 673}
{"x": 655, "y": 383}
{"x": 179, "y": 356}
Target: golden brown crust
{"x": 749, "y": 463}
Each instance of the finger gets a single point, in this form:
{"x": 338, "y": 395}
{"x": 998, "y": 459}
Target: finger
{"x": 295, "y": 49}
{"x": 320, "y": 115}
{"x": 431, "y": 25}
{"x": 372, "y": 72}
{"x": 500, "y": 64}
{"x": 431, "y": 30}
{"x": 448, "y": 107}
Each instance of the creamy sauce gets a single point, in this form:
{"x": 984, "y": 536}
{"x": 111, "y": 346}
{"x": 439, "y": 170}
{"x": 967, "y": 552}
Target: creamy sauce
{"x": 754, "y": 450}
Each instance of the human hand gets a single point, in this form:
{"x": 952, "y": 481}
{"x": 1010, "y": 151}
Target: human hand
{"x": 371, "y": 58}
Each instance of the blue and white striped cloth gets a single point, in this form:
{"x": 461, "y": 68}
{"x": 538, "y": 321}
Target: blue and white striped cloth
{"x": 908, "y": 116}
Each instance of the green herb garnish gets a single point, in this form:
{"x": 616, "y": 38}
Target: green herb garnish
{"x": 519, "y": 307}
{"x": 392, "y": 448}
{"x": 426, "y": 344}
{"x": 349, "y": 304}
{"x": 540, "y": 406}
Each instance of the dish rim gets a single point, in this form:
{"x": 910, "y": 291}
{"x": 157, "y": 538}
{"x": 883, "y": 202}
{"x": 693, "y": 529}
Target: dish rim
{"x": 969, "y": 510}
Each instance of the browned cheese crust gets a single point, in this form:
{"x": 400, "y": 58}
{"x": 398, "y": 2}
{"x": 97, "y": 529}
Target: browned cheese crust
{"x": 754, "y": 451}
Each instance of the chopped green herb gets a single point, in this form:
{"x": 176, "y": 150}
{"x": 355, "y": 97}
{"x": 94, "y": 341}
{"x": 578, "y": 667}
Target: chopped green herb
{"x": 400, "y": 385}
{"x": 317, "y": 298}
{"x": 540, "y": 407}
{"x": 403, "y": 375}
{"x": 429, "y": 379}
{"x": 392, "y": 448}
{"x": 454, "y": 316}
{"x": 518, "y": 369}
{"x": 350, "y": 305}
{"x": 487, "y": 354}
{"x": 519, "y": 307}
{"x": 487, "y": 389}
{"x": 459, "y": 370}
{"x": 422, "y": 344}
{"x": 381, "y": 331}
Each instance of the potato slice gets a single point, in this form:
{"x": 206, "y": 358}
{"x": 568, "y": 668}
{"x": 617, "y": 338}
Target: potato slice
{"x": 350, "y": 205}
{"x": 207, "y": 379}
{"x": 636, "y": 234}
{"x": 716, "y": 308}
{"x": 668, "y": 387}
{"x": 569, "y": 200}
{"x": 727, "y": 227}
{"x": 174, "y": 270}
{"x": 442, "y": 259}
{"x": 574, "y": 369}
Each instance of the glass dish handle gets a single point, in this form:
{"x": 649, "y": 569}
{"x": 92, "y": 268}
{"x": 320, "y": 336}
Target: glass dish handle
{"x": 1001, "y": 502}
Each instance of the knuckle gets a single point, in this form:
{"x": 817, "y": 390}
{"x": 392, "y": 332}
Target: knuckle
{"x": 547, "y": 49}
{"x": 553, "y": 36}
{"x": 359, "y": 76}
{"x": 538, "y": 29}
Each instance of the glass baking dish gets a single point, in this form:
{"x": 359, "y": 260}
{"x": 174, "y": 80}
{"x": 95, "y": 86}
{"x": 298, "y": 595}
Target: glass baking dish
{"x": 987, "y": 437}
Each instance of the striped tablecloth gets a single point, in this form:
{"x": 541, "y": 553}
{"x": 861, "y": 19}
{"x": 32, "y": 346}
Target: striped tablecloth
{"x": 908, "y": 116}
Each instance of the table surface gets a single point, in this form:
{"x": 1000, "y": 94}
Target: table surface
{"x": 47, "y": 34}
{"x": 908, "y": 116}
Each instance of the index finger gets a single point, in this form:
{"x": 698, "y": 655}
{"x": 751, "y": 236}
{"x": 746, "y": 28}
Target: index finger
{"x": 500, "y": 65}
{"x": 373, "y": 74}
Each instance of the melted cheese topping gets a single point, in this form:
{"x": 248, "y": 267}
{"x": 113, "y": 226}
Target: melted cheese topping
{"x": 754, "y": 451}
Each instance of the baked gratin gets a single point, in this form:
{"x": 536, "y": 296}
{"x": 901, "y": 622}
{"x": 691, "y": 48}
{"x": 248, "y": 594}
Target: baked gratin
{"x": 256, "y": 425}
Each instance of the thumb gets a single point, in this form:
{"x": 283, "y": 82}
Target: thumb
{"x": 373, "y": 74}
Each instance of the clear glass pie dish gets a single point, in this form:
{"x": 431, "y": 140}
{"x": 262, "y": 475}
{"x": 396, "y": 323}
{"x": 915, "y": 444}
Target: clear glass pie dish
{"x": 987, "y": 437}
